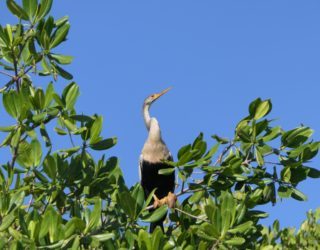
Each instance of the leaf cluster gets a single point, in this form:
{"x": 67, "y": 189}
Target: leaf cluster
{"x": 66, "y": 199}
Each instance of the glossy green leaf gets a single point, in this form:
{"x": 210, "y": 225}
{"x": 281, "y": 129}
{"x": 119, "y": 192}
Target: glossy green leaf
{"x": 62, "y": 72}
{"x": 144, "y": 241}
{"x": 103, "y": 237}
{"x": 39, "y": 117}
{"x": 313, "y": 173}
{"x": 241, "y": 228}
{"x": 296, "y": 137}
{"x": 235, "y": 241}
{"x": 8, "y": 128}
{"x": 36, "y": 152}
{"x": 7, "y": 221}
{"x": 16, "y": 200}
{"x": 60, "y": 35}
{"x": 298, "y": 195}
{"x": 61, "y": 21}
{"x": 72, "y": 95}
{"x": 155, "y": 215}
{"x": 43, "y": 8}
{"x": 259, "y": 157}
{"x": 12, "y": 104}
{"x": 284, "y": 192}
{"x": 17, "y": 10}
{"x": 48, "y": 95}
{"x": 95, "y": 216}
{"x": 50, "y": 166}
{"x": 30, "y": 7}
{"x": 96, "y": 130}
{"x": 24, "y": 153}
{"x": 262, "y": 109}
{"x": 61, "y": 59}
{"x": 60, "y": 131}
{"x": 166, "y": 171}
{"x": 104, "y": 144}
{"x": 73, "y": 225}
{"x": 272, "y": 134}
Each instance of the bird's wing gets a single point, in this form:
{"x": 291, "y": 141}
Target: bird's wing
{"x": 140, "y": 166}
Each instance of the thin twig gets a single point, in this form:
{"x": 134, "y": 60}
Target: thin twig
{"x": 6, "y": 74}
{"x": 15, "y": 65}
{"x": 225, "y": 150}
{"x": 191, "y": 215}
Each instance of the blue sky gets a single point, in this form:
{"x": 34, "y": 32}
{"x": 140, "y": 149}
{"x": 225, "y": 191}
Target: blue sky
{"x": 217, "y": 55}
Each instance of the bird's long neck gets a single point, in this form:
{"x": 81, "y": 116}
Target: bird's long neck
{"x": 152, "y": 125}
{"x": 146, "y": 115}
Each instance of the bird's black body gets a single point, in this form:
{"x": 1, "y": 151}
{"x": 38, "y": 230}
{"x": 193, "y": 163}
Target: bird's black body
{"x": 151, "y": 179}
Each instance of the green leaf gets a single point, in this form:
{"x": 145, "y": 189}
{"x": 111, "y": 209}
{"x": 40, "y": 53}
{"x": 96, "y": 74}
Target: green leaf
{"x": 144, "y": 241}
{"x": 296, "y": 137}
{"x": 69, "y": 124}
{"x": 61, "y": 21}
{"x": 220, "y": 139}
{"x": 30, "y": 6}
{"x": 16, "y": 200}
{"x": 259, "y": 156}
{"x": 17, "y": 10}
{"x": 45, "y": 223}
{"x": 60, "y": 35}
{"x": 72, "y": 95}
{"x": 73, "y": 225}
{"x": 60, "y": 131}
{"x": 104, "y": 144}
{"x": 70, "y": 151}
{"x": 39, "y": 117}
{"x": 286, "y": 174}
{"x": 284, "y": 192}
{"x": 262, "y": 109}
{"x": 62, "y": 59}
{"x": 166, "y": 171}
{"x": 36, "y": 152}
{"x": 103, "y": 237}
{"x": 50, "y": 167}
{"x": 81, "y": 118}
{"x": 24, "y": 153}
{"x": 196, "y": 197}
{"x": 313, "y": 173}
{"x": 49, "y": 95}
{"x": 272, "y": 134}
{"x": 40, "y": 176}
{"x": 155, "y": 215}
{"x": 95, "y": 216}
{"x": 241, "y": 228}
{"x": 95, "y": 130}
{"x": 11, "y": 103}
{"x": 298, "y": 195}
{"x": 43, "y": 8}
{"x": 157, "y": 236}
{"x": 65, "y": 74}
{"x": 236, "y": 241}
{"x": 7, "y": 221}
{"x": 8, "y": 128}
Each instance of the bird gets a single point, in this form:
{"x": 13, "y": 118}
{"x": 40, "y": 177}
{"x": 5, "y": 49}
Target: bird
{"x": 153, "y": 156}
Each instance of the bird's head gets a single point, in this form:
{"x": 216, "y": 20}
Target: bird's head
{"x": 150, "y": 99}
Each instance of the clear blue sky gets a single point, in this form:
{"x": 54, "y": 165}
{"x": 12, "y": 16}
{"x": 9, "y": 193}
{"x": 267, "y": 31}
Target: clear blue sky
{"x": 217, "y": 55}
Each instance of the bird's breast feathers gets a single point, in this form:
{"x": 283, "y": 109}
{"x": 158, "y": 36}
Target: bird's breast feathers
{"x": 153, "y": 153}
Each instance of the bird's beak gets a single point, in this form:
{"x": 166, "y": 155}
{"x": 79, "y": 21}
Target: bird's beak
{"x": 161, "y": 93}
